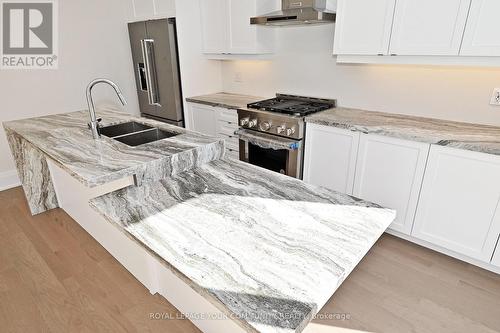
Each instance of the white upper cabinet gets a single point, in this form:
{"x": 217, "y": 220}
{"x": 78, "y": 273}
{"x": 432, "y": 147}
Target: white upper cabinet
{"x": 482, "y": 37}
{"x": 149, "y": 9}
{"x": 214, "y": 25}
{"x": 389, "y": 172}
{"x": 243, "y": 37}
{"x": 429, "y": 27}
{"x": 459, "y": 202}
{"x": 330, "y": 157}
{"x": 226, "y": 27}
{"x": 363, "y": 27}
{"x": 143, "y": 8}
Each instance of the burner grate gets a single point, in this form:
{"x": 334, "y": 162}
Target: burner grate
{"x": 290, "y": 106}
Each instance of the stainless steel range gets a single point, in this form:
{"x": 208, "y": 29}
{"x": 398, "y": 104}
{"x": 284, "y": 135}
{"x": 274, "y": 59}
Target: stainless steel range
{"x": 272, "y": 131}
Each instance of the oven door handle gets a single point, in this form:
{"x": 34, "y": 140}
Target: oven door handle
{"x": 268, "y": 141}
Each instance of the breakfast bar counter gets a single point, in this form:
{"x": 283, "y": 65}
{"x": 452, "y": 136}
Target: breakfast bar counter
{"x": 266, "y": 249}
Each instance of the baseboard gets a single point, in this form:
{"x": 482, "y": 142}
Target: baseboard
{"x": 461, "y": 257}
{"x": 9, "y": 179}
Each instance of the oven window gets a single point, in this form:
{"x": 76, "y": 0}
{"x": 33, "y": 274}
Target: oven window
{"x": 270, "y": 159}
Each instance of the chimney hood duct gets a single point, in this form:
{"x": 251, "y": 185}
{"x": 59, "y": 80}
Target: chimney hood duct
{"x": 297, "y": 12}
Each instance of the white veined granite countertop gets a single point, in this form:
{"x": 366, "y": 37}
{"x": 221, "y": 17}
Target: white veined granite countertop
{"x": 265, "y": 247}
{"x": 66, "y": 139}
{"x": 225, "y": 100}
{"x": 474, "y": 137}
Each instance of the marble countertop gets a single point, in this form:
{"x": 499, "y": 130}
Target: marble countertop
{"x": 65, "y": 139}
{"x": 225, "y": 100}
{"x": 265, "y": 247}
{"x": 466, "y": 136}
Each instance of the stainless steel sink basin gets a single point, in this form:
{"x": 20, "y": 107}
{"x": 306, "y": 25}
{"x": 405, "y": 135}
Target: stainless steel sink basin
{"x": 123, "y": 129}
{"x": 148, "y": 136}
{"x": 135, "y": 134}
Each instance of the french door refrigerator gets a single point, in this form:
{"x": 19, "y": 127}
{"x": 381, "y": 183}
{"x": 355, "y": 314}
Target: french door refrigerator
{"x": 156, "y": 67}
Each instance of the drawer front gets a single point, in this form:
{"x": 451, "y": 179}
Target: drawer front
{"x": 232, "y": 153}
{"x": 231, "y": 140}
{"x": 233, "y": 144}
{"x": 228, "y": 115}
{"x": 226, "y": 128}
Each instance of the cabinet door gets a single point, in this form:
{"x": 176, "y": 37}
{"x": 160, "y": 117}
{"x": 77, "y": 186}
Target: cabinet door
{"x": 481, "y": 33}
{"x": 496, "y": 257}
{"x": 390, "y": 172}
{"x": 242, "y": 36}
{"x": 143, "y": 8}
{"x": 459, "y": 201}
{"x": 214, "y": 25}
{"x": 363, "y": 27}
{"x": 204, "y": 119}
{"x": 330, "y": 157}
{"x": 165, "y": 8}
{"x": 428, "y": 27}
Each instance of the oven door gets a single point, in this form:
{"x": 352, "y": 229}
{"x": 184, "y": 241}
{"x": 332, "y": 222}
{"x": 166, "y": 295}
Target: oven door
{"x": 271, "y": 152}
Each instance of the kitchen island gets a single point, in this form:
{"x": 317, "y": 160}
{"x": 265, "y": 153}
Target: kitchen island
{"x": 64, "y": 140}
{"x": 217, "y": 237}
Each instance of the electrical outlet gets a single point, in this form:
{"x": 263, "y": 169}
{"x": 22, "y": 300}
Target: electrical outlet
{"x": 238, "y": 77}
{"x": 495, "y": 98}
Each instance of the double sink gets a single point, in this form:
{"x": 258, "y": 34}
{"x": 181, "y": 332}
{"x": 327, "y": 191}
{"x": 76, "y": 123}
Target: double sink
{"x": 135, "y": 134}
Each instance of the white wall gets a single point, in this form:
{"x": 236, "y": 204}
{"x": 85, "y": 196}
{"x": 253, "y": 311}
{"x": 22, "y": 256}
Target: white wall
{"x": 93, "y": 42}
{"x": 198, "y": 75}
{"x": 304, "y": 65}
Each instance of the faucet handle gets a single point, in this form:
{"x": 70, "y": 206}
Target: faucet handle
{"x": 89, "y": 125}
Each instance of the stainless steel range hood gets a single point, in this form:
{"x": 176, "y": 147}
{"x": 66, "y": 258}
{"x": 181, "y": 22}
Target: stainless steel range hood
{"x": 295, "y": 12}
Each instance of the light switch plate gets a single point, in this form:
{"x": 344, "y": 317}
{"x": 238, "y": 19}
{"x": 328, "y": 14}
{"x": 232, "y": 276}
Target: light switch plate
{"x": 495, "y": 98}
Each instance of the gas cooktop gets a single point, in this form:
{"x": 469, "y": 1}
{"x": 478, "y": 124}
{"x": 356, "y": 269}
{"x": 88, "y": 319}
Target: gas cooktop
{"x": 293, "y": 105}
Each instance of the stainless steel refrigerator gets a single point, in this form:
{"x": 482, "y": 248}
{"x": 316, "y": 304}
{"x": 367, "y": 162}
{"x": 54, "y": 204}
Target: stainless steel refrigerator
{"x": 156, "y": 67}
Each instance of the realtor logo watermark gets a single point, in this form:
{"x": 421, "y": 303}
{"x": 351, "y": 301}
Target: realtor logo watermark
{"x": 29, "y": 34}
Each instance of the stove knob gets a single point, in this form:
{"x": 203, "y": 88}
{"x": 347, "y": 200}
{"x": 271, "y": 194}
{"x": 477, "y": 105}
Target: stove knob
{"x": 244, "y": 121}
{"x": 265, "y": 126}
{"x": 252, "y": 123}
{"x": 290, "y": 131}
{"x": 280, "y": 129}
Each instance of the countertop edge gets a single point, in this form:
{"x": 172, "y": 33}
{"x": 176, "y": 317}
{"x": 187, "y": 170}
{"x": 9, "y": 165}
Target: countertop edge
{"x": 214, "y": 104}
{"x": 197, "y": 288}
{"x": 436, "y": 138}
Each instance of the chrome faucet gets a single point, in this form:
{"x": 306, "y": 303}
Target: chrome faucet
{"x": 94, "y": 122}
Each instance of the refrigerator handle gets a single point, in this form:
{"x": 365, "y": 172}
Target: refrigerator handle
{"x": 150, "y": 71}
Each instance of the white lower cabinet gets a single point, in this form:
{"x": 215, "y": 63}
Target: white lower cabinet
{"x": 445, "y": 198}
{"x": 496, "y": 256}
{"x": 215, "y": 121}
{"x": 459, "y": 203}
{"x": 330, "y": 157}
{"x": 203, "y": 119}
{"x": 389, "y": 172}
{"x": 227, "y": 124}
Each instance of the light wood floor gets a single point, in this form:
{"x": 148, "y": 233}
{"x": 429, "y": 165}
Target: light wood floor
{"x": 55, "y": 278}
